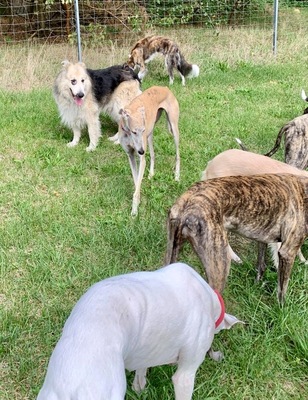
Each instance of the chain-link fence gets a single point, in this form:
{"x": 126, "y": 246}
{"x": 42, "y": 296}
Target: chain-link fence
{"x": 54, "y": 20}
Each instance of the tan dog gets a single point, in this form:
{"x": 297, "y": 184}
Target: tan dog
{"x": 267, "y": 208}
{"x": 136, "y": 130}
{"x": 149, "y": 47}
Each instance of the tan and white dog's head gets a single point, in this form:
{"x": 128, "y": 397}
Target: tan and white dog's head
{"x": 132, "y": 127}
{"x": 74, "y": 82}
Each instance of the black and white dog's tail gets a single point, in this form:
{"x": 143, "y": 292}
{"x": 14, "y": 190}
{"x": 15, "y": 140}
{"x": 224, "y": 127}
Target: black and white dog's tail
{"x": 185, "y": 68}
{"x": 305, "y": 98}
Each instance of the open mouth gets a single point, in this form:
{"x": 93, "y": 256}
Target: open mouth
{"x": 78, "y": 98}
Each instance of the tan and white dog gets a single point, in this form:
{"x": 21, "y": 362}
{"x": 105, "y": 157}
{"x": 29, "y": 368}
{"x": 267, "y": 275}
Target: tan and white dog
{"x": 82, "y": 94}
{"x": 149, "y": 47}
{"x": 268, "y": 208}
{"x": 135, "y": 321}
{"x": 136, "y": 131}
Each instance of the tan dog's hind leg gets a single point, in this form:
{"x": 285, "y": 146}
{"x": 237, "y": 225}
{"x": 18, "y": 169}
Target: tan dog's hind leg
{"x": 152, "y": 155}
{"x": 174, "y": 130}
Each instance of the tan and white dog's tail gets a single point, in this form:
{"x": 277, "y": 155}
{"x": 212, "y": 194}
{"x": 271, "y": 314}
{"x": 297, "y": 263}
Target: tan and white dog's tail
{"x": 305, "y": 98}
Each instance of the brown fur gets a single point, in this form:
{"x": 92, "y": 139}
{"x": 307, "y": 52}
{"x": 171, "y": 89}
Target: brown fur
{"x": 147, "y": 48}
{"x": 136, "y": 130}
{"x": 267, "y": 208}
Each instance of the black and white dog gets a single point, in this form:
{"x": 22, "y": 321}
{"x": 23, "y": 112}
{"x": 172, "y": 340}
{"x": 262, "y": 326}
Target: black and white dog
{"x": 82, "y": 94}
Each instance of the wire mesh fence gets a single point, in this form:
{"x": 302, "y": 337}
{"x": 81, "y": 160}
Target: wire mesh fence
{"x": 54, "y": 20}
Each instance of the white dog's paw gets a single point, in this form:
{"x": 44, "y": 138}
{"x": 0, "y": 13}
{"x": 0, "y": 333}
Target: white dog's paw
{"x": 91, "y": 147}
{"x": 216, "y": 355}
{"x": 72, "y": 144}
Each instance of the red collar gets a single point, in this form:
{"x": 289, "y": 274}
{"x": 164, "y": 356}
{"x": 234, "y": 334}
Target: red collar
{"x": 222, "y": 312}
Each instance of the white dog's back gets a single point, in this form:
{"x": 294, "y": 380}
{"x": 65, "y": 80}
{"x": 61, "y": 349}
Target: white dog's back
{"x": 132, "y": 321}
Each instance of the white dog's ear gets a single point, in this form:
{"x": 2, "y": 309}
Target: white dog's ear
{"x": 83, "y": 65}
{"x": 229, "y": 321}
{"x": 65, "y": 63}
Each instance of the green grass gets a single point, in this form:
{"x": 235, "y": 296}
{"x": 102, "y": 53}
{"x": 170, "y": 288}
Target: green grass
{"x": 65, "y": 221}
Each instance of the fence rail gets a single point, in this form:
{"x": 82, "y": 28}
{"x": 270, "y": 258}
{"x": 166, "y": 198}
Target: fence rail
{"x": 54, "y": 20}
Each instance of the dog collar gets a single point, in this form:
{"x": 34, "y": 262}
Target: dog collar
{"x": 222, "y": 312}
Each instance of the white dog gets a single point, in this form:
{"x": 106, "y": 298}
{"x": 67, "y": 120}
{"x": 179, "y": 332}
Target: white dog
{"x": 135, "y": 321}
{"x": 82, "y": 94}
{"x": 136, "y": 130}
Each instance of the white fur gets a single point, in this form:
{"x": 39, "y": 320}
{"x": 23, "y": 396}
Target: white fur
{"x": 238, "y": 162}
{"x": 80, "y": 112}
{"x": 135, "y": 321}
{"x": 194, "y": 72}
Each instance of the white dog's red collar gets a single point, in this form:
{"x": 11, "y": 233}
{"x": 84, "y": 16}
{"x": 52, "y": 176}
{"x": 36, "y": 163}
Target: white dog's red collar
{"x": 222, "y": 312}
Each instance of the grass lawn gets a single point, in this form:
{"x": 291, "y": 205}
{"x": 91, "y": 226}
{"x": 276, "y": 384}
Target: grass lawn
{"x": 66, "y": 223}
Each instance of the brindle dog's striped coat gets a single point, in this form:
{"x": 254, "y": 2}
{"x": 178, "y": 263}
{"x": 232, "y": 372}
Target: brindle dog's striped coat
{"x": 267, "y": 208}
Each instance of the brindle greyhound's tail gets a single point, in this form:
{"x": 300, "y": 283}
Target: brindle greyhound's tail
{"x": 278, "y": 141}
{"x": 173, "y": 239}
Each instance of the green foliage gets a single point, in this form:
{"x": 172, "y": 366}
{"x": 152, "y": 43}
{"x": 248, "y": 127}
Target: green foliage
{"x": 207, "y": 12}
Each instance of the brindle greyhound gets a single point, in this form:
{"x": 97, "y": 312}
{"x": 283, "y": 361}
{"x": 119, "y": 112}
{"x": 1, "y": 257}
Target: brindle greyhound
{"x": 267, "y": 208}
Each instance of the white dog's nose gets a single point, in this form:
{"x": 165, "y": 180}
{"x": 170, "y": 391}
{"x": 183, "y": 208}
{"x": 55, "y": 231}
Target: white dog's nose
{"x": 141, "y": 152}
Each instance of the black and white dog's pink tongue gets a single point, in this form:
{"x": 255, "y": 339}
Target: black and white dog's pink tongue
{"x": 78, "y": 100}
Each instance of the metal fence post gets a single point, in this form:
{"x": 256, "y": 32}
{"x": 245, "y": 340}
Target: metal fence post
{"x": 78, "y": 30}
{"x": 275, "y": 27}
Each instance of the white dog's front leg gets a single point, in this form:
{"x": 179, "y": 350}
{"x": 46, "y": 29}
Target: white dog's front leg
{"x": 94, "y": 127}
{"x": 183, "y": 382}
{"x": 76, "y": 138}
{"x": 140, "y": 380}
{"x": 136, "y": 198}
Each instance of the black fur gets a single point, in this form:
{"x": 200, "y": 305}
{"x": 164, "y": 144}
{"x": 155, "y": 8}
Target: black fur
{"x": 105, "y": 81}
